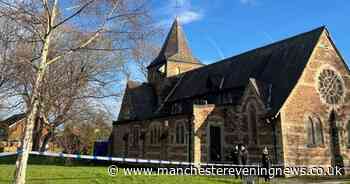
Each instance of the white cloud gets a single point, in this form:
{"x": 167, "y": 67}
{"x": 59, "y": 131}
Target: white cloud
{"x": 183, "y": 9}
{"x": 189, "y": 16}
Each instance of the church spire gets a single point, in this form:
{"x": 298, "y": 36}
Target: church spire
{"x": 174, "y": 58}
{"x": 176, "y": 42}
{"x": 176, "y": 46}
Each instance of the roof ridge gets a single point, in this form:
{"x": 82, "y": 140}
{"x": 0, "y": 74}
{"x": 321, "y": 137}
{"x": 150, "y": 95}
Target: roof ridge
{"x": 279, "y": 41}
{"x": 286, "y": 60}
{"x": 14, "y": 118}
{"x": 228, "y": 59}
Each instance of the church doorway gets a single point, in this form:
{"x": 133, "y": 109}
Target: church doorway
{"x": 215, "y": 143}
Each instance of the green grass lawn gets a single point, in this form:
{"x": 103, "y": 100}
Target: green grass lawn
{"x": 44, "y": 170}
{"x": 41, "y": 174}
{"x": 49, "y": 174}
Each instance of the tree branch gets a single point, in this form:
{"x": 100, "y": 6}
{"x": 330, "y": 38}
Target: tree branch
{"x": 91, "y": 39}
{"x": 74, "y": 14}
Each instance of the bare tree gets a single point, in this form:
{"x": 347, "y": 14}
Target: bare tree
{"x": 80, "y": 134}
{"x": 7, "y": 36}
{"x": 143, "y": 54}
{"x": 53, "y": 35}
{"x": 68, "y": 86}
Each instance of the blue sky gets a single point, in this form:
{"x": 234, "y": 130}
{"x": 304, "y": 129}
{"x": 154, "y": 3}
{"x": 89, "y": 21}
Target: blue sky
{"x": 222, "y": 28}
{"x": 217, "y": 29}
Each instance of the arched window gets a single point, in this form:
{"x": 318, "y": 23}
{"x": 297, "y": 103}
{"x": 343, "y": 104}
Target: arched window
{"x": 154, "y": 134}
{"x": 314, "y": 132}
{"x": 136, "y": 136}
{"x": 180, "y": 134}
{"x": 2, "y": 133}
{"x": 253, "y": 124}
{"x": 126, "y": 144}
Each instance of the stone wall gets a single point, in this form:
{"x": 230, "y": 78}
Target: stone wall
{"x": 236, "y": 127}
{"x": 176, "y": 68}
{"x": 235, "y": 123}
{"x": 165, "y": 148}
{"x": 285, "y": 135}
{"x": 305, "y": 101}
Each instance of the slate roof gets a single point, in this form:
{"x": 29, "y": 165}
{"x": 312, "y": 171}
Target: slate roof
{"x": 280, "y": 64}
{"x": 13, "y": 119}
{"x": 175, "y": 47}
{"x": 140, "y": 98}
{"x": 273, "y": 70}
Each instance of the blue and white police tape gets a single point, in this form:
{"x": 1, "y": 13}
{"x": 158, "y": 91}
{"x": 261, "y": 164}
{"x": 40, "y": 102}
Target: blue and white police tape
{"x": 115, "y": 159}
{"x": 125, "y": 160}
{"x": 6, "y": 154}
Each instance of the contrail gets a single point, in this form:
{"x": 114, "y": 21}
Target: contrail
{"x": 268, "y": 36}
{"x": 216, "y": 47}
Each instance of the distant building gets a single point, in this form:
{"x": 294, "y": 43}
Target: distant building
{"x": 292, "y": 96}
{"x": 11, "y": 132}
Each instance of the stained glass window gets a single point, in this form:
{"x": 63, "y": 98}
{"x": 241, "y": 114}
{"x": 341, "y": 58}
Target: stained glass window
{"x": 330, "y": 87}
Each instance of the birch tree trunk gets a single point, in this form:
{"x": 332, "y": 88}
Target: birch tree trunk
{"x": 43, "y": 24}
{"x": 27, "y": 141}
{"x": 22, "y": 159}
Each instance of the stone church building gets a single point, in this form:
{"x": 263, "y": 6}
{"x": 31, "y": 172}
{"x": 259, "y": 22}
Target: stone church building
{"x": 292, "y": 96}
